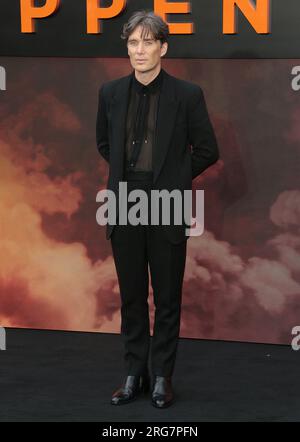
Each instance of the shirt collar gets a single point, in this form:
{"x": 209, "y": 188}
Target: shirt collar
{"x": 151, "y": 87}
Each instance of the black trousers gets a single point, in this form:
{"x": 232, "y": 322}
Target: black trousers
{"x": 134, "y": 249}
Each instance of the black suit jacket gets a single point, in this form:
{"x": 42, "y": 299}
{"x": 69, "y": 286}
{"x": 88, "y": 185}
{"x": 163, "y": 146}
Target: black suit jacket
{"x": 185, "y": 141}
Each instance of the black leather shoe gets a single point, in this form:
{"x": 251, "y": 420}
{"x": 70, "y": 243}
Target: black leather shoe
{"x": 162, "y": 392}
{"x": 132, "y": 387}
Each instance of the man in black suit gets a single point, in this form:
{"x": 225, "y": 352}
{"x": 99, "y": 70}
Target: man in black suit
{"x": 154, "y": 131}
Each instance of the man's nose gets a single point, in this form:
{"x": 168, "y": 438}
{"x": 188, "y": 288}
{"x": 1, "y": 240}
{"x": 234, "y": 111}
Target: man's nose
{"x": 140, "y": 48}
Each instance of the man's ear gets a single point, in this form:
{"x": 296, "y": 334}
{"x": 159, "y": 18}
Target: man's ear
{"x": 164, "y": 49}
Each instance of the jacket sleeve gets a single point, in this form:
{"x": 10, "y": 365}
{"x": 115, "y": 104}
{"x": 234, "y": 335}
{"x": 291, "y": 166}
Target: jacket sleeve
{"x": 202, "y": 138}
{"x": 102, "y": 126}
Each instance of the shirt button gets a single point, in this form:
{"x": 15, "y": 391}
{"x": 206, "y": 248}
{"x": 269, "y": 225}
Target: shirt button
{"x": 146, "y": 141}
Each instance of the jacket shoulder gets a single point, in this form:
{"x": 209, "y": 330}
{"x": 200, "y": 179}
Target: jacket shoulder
{"x": 109, "y": 86}
{"x": 184, "y": 85}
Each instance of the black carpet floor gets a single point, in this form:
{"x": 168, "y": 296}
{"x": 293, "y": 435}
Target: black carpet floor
{"x": 70, "y": 376}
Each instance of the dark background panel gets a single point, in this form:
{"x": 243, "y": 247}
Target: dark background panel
{"x": 64, "y": 34}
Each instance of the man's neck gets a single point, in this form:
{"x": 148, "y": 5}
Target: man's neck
{"x": 146, "y": 77}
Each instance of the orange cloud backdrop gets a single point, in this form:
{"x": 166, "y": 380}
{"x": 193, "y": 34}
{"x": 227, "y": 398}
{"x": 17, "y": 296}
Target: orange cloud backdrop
{"x": 242, "y": 279}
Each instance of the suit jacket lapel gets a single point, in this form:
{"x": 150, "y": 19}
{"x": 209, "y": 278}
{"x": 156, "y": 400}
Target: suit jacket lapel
{"x": 118, "y": 116}
{"x": 166, "y": 116}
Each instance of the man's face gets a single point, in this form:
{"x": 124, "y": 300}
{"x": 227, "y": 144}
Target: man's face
{"x": 145, "y": 54}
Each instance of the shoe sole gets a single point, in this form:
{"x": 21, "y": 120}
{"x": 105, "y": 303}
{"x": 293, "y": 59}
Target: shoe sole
{"x": 164, "y": 406}
{"x": 124, "y": 401}
{"x": 127, "y": 401}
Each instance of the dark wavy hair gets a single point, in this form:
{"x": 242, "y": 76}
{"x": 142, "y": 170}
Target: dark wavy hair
{"x": 150, "y": 22}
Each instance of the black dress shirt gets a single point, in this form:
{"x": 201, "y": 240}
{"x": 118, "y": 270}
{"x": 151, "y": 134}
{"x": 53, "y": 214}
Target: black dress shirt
{"x": 141, "y": 123}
